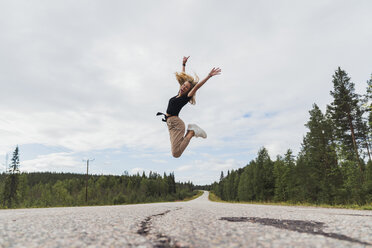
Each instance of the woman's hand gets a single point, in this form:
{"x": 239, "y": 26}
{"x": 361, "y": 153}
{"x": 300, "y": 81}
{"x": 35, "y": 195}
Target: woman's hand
{"x": 185, "y": 60}
{"x": 214, "y": 72}
{"x": 184, "y": 63}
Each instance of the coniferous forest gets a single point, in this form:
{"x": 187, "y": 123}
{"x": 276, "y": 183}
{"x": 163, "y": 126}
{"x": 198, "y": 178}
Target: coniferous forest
{"x": 45, "y": 189}
{"x": 334, "y": 163}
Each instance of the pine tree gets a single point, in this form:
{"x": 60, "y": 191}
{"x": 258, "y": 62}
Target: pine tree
{"x": 221, "y": 176}
{"x": 231, "y": 191}
{"x": 171, "y": 183}
{"x": 362, "y": 125}
{"x": 369, "y": 102}
{"x": 246, "y": 191}
{"x": 11, "y": 181}
{"x": 243, "y": 186}
{"x": 368, "y": 182}
{"x": 345, "y": 115}
{"x": 318, "y": 159}
{"x": 291, "y": 176}
{"x": 280, "y": 193}
{"x": 263, "y": 176}
{"x": 368, "y": 111}
{"x": 225, "y": 188}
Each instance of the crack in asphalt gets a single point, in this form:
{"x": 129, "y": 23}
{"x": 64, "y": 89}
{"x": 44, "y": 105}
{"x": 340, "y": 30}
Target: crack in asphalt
{"x": 310, "y": 227}
{"x": 159, "y": 240}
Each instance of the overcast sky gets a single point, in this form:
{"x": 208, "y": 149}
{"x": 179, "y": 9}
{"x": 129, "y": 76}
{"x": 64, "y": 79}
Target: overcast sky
{"x": 84, "y": 79}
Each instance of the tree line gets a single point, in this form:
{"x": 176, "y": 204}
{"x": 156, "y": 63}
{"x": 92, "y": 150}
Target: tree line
{"x": 334, "y": 163}
{"x": 48, "y": 189}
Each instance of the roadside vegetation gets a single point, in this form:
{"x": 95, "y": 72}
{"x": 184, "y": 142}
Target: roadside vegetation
{"x": 333, "y": 167}
{"x": 213, "y": 197}
{"x": 197, "y": 193}
{"x": 66, "y": 189}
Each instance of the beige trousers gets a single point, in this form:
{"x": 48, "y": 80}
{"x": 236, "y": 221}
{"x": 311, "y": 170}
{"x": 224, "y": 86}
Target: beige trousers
{"x": 176, "y": 129}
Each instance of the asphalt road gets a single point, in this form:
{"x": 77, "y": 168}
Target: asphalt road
{"x": 197, "y": 223}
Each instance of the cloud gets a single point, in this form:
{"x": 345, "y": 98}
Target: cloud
{"x": 205, "y": 170}
{"x": 139, "y": 170}
{"x": 159, "y": 161}
{"x": 184, "y": 168}
{"x": 55, "y": 162}
{"x": 90, "y": 76}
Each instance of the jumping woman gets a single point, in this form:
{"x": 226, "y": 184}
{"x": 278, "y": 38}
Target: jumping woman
{"x": 186, "y": 93}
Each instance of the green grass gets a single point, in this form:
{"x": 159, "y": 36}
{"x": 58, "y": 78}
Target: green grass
{"x": 199, "y": 193}
{"x": 215, "y": 198}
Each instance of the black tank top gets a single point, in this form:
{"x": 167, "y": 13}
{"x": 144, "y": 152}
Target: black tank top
{"x": 176, "y": 104}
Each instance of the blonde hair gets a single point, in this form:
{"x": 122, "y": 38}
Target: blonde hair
{"x": 182, "y": 77}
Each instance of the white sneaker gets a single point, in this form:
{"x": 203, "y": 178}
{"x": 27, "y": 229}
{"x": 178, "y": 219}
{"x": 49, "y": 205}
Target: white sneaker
{"x": 197, "y": 130}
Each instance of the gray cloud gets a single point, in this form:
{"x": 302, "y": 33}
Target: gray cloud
{"x": 91, "y": 75}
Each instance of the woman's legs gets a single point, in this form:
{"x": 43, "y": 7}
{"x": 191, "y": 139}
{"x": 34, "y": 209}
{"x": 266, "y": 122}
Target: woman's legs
{"x": 189, "y": 134}
{"x": 179, "y": 142}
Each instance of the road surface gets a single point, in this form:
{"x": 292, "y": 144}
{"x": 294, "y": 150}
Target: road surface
{"x": 197, "y": 223}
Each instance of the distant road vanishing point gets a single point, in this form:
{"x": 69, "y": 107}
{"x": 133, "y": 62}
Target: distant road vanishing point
{"x": 197, "y": 223}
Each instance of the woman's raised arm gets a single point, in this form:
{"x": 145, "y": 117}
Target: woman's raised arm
{"x": 214, "y": 71}
{"x": 184, "y": 63}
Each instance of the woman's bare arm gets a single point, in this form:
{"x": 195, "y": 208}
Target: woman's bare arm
{"x": 184, "y": 63}
{"x": 214, "y": 71}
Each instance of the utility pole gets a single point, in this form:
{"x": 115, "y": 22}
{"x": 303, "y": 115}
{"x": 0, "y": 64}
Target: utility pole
{"x": 86, "y": 183}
